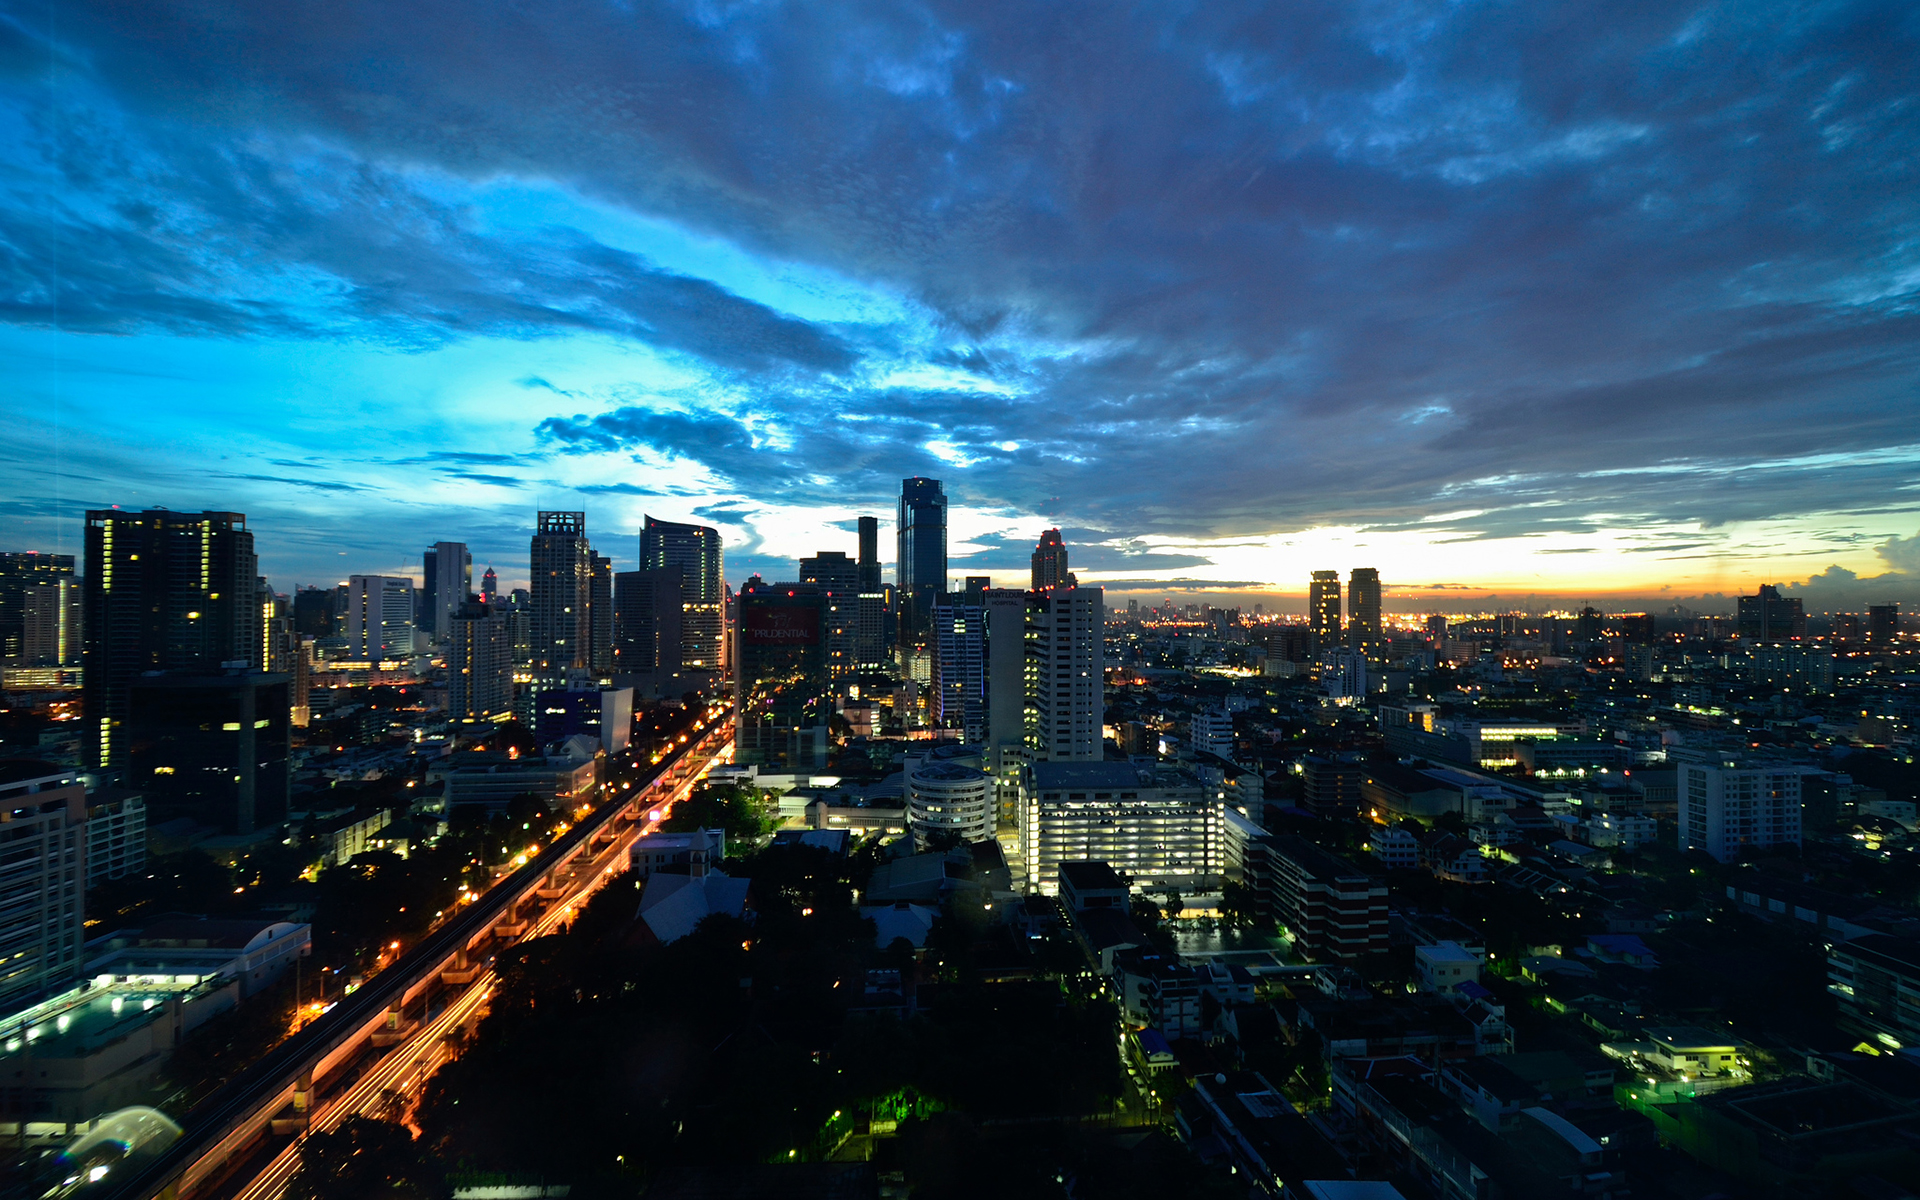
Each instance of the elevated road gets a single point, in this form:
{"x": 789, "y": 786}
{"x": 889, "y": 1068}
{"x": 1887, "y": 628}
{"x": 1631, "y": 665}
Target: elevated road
{"x": 228, "y": 1127}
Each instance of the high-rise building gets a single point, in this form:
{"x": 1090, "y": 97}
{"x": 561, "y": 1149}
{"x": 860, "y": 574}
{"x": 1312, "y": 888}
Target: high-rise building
{"x": 520, "y": 626}
{"x": 447, "y": 581}
{"x": 600, "y": 614}
{"x": 1050, "y": 563}
{"x": 277, "y": 643}
{"x": 1159, "y": 824}
{"x": 781, "y": 691}
{"x": 1066, "y": 689}
{"x": 379, "y": 617}
{"x": 921, "y": 566}
{"x": 646, "y": 628}
{"x": 838, "y": 578}
{"x": 1636, "y": 629}
{"x": 1004, "y": 611}
{"x": 1771, "y": 617}
{"x": 958, "y": 639}
{"x": 561, "y": 618}
{"x": 165, "y": 591}
{"x": 51, "y": 621}
{"x": 1363, "y": 605}
{"x": 46, "y": 878}
{"x": 1728, "y": 808}
{"x": 1212, "y": 733}
{"x": 18, "y": 572}
{"x": 872, "y": 611}
{"x": 316, "y": 611}
{"x": 479, "y": 664}
{"x": 490, "y": 586}
{"x": 695, "y": 549}
{"x": 1323, "y": 608}
{"x": 1883, "y": 624}
{"x": 213, "y": 747}
{"x": 869, "y": 561}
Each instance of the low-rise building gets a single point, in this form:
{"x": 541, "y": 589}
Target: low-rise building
{"x": 1876, "y": 978}
{"x": 1333, "y": 909}
{"x": 1158, "y": 823}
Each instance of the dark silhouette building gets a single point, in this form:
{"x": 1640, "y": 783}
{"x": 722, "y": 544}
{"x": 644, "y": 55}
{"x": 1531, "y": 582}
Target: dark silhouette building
{"x": 213, "y": 747}
{"x": 780, "y": 676}
{"x": 695, "y": 550}
{"x": 1363, "y": 606}
{"x": 869, "y": 561}
{"x": 1771, "y": 617}
{"x": 19, "y": 572}
{"x": 561, "y": 619}
{"x": 1323, "y": 608}
{"x": 921, "y": 565}
{"x": 1050, "y": 563}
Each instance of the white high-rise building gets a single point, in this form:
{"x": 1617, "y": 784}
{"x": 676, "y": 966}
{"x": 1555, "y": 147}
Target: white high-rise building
{"x": 379, "y": 617}
{"x": 1731, "y": 806}
{"x": 448, "y": 568}
{"x": 1213, "y": 732}
{"x": 1066, "y": 691}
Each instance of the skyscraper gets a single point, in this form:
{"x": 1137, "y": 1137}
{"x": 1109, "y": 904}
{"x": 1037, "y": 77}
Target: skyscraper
{"x": 837, "y": 577}
{"x": 447, "y": 577}
{"x": 561, "y": 619}
{"x": 379, "y": 617}
{"x": 17, "y": 573}
{"x": 1066, "y": 690}
{"x": 958, "y": 640}
{"x": 41, "y": 925}
{"x": 1771, "y": 617}
{"x": 646, "y": 625}
{"x": 479, "y": 664}
{"x": 51, "y": 620}
{"x": 695, "y": 549}
{"x": 165, "y": 591}
{"x": 212, "y": 746}
{"x": 1323, "y": 608}
{"x": 489, "y": 586}
{"x": 1883, "y": 624}
{"x": 921, "y": 566}
{"x": 869, "y": 563}
{"x": 780, "y": 686}
{"x": 1050, "y": 563}
{"x": 1363, "y": 605}
{"x": 600, "y": 614}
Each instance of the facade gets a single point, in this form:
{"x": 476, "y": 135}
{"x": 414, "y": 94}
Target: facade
{"x": 871, "y": 613}
{"x": 838, "y": 578}
{"x": 20, "y": 572}
{"x": 1066, "y": 685}
{"x": 647, "y": 611}
{"x": 1771, "y": 617}
{"x": 958, "y": 639}
{"x": 920, "y": 569}
{"x": 1876, "y": 980}
{"x": 1323, "y": 608}
{"x": 1050, "y": 563}
{"x": 51, "y": 616}
{"x": 380, "y": 617}
{"x": 781, "y": 690}
{"x": 561, "y": 618}
{"x": 696, "y": 551}
{"x": 1212, "y": 733}
{"x": 165, "y": 591}
{"x": 1363, "y": 606}
{"x": 446, "y": 579}
{"x": 1730, "y": 807}
{"x": 1883, "y": 624}
{"x": 599, "y": 614}
{"x": 1159, "y": 825}
{"x": 948, "y": 800}
{"x": 479, "y": 664}
{"x": 116, "y": 835}
{"x": 44, "y": 881}
{"x": 1334, "y": 910}
{"x": 212, "y": 747}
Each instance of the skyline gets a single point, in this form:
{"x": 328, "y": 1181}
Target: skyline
{"x": 1321, "y": 290}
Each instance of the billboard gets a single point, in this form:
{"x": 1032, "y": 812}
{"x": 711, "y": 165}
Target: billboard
{"x": 780, "y": 625}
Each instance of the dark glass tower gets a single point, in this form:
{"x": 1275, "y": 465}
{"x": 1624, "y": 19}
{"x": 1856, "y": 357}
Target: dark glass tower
{"x": 921, "y": 567}
{"x": 869, "y": 561}
{"x": 1050, "y": 563}
{"x": 1323, "y": 608}
{"x": 1363, "y": 605}
{"x": 561, "y": 621}
{"x": 695, "y": 549}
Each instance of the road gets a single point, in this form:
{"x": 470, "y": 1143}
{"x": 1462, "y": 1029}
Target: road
{"x": 406, "y": 1067}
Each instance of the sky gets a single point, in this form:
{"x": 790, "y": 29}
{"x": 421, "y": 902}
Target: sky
{"x": 1518, "y": 303}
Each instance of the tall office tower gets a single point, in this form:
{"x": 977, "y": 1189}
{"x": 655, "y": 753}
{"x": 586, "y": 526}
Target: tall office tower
{"x": 1004, "y": 611}
{"x": 276, "y": 628}
{"x": 958, "y": 639}
{"x": 1771, "y": 617}
{"x": 520, "y": 626}
{"x": 562, "y": 614}
{"x": 921, "y": 566}
{"x": 379, "y": 617}
{"x": 646, "y": 623}
{"x": 212, "y": 746}
{"x": 19, "y": 571}
{"x": 781, "y": 699}
{"x": 1363, "y": 605}
{"x": 1437, "y": 627}
{"x": 316, "y": 611}
{"x": 869, "y": 562}
{"x": 165, "y": 591}
{"x": 870, "y": 640}
{"x": 50, "y": 625}
{"x": 1883, "y": 623}
{"x": 479, "y": 664}
{"x": 1323, "y": 608}
{"x": 447, "y": 577}
{"x": 490, "y": 586}
{"x": 1636, "y": 628}
{"x": 1066, "y": 692}
{"x": 600, "y": 611}
{"x": 41, "y": 924}
{"x": 1050, "y": 563}
{"x": 695, "y": 549}
{"x": 1733, "y": 806}
{"x": 838, "y": 578}
{"x": 301, "y": 697}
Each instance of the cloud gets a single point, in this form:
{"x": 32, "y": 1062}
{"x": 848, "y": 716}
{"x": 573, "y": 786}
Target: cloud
{"x": 1901, "y": 554}
{"x": 318, "y": 485}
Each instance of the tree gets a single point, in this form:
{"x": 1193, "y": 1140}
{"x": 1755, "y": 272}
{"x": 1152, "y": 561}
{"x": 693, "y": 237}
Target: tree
{"x": 363, "y": 1159}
